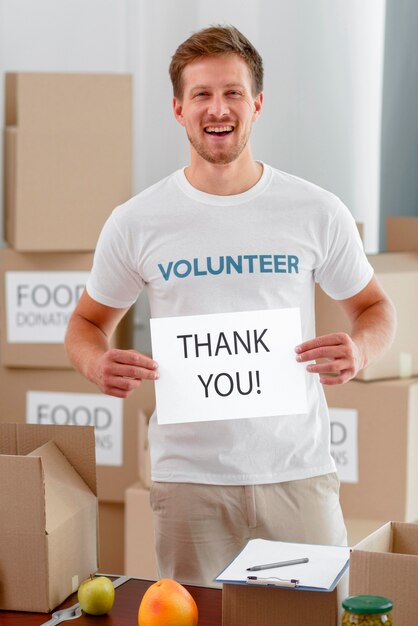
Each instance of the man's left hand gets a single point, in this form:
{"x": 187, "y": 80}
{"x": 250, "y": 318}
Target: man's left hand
{"x": 341, "y": 358}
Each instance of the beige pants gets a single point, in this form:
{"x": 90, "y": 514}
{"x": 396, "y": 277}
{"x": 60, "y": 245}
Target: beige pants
{"x": 200, "y": 528}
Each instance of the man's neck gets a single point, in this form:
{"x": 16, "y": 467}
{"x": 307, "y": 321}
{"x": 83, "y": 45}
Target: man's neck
{"x": 224, "y": 180}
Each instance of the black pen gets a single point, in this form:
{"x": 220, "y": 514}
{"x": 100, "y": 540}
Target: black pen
{"x": 256, "y": 568}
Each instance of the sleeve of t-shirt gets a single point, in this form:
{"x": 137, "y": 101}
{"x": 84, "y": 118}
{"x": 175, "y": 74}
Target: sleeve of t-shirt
{"x": 345, "y": 269}
{"x": 114, "y": 280}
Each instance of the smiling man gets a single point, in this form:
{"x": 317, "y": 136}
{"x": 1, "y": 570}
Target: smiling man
{"x": 229, "y": 233}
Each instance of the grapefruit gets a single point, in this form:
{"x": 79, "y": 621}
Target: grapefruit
{"x": 167, "y": 603}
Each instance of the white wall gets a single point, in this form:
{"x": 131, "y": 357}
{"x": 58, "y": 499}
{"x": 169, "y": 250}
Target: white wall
{"x": 323, "y": 63}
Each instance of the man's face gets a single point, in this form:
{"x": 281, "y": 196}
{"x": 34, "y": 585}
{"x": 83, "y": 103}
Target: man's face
{"x": 217, "y": 108}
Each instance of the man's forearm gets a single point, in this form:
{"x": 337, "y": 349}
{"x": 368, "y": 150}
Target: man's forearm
{"x": 85, "y": 344}
{"x": 374, "y": 330}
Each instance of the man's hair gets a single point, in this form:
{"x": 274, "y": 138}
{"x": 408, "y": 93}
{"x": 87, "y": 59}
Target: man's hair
{"x": 211, "y": 41}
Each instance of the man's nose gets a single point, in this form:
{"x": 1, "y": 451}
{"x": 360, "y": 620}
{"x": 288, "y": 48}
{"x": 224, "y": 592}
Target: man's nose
{"x": 218, "y": 106}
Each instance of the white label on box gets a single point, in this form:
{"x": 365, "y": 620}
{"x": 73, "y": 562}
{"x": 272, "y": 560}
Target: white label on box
{"x": 228, "y": 366}
{"x": 344, "y": 443}
{"x": 103, "y": 412}
{"x": 39, "y": 304}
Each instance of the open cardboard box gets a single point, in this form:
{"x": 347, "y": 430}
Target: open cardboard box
{"x": 48, "y": 521}
{"x": 386, "y": 563}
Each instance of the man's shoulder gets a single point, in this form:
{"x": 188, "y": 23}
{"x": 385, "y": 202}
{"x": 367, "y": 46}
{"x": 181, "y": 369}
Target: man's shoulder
{"x": 156, "y": 194}
{"x": 303, "y": 188}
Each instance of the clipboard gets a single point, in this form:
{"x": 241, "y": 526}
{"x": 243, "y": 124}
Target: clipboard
{"x": 322, "y": 572}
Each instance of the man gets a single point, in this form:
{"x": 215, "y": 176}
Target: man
{"x": 218, "y": 484}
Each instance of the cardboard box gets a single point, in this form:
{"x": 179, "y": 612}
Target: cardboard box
{"x": 386, "y": 450}
{"x": 38, "y": 293}
{"x": 398, "y": 275}
{"x": 68, "y": 157}
{"x": 243, "y": 605}
{"x": 140, "y": 559}
{"x": 402, "y": 233}
{"x": 144, "y": 459}
{"x": 111, "y": 537}
{"x": 65, "y": 397}
{"x": 386, "y": 564}
{"x": 48, "y": 521}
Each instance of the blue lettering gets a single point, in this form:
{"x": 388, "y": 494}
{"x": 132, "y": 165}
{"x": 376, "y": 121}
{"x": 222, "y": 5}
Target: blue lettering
{"x": 293, "y": 263}
{"x": 187, "y": 270}
{"x": 279, "y": 263}
{"x": 166, "y": 272}
{"x": 211, "y": 270}
{"x": 250, "y": 258}
{"x": 265, "y": 263}
{"x": 237, "y": 265}
{"x": 198, "y": 272}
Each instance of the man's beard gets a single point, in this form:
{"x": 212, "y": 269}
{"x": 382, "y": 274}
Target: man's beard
{"x": 217, "y": 157}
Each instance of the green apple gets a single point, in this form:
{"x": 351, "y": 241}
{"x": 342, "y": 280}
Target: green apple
{"x": 96, "y": 595}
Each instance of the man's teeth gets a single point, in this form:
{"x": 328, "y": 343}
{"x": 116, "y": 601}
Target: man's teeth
{"x": 219, "y": 129}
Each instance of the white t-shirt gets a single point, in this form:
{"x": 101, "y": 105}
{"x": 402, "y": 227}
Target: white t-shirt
{"x": 198, "y": 253}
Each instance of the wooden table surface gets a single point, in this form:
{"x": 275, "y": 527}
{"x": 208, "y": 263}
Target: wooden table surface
{"x": 125, "y": 610}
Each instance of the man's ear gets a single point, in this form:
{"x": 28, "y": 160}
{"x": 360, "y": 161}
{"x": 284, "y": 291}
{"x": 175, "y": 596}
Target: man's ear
{"x": 178, "y": 110}
{"x": 258, "y": 104}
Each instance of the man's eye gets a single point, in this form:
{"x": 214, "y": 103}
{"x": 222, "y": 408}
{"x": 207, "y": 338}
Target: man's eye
{"x": 200, "y": 94}
{"x": 234, "y": 93}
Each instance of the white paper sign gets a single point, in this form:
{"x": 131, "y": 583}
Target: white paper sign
{"x": 228, "y": 366}
{"x": 39, "y": 304}
{"x": 103, "y": 412}
{"x": 344, "y": 443}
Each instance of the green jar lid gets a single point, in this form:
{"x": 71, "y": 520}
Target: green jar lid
{"x": 367, "y": 604}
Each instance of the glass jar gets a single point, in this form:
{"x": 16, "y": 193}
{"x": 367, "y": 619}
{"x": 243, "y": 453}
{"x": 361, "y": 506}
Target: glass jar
{"x": 367, "y": 611}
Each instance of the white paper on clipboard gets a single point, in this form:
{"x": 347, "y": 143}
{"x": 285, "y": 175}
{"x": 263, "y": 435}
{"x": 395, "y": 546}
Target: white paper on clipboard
{"x": 324, "y": 569}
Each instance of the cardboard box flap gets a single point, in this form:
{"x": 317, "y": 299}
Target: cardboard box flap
{"x": 38, "y": 101}
{"x": 405, "y": 539}
{"x": 25, "y": 515}
{"x": 77, "y": 443}
{"x": 65, "y": 491}
{"x": 378, "y": 541}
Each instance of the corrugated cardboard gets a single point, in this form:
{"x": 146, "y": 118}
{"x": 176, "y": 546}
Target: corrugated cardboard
{"x": 387, "y": 448}
{"x": 111, "y": 537}
{"x": 398, "y": 275}
{"x": 402, "y": 233}
{"x": 68, "y": 157}
{"x": 140, "y": 559}
{"x": 15, "y": 385}
{"x": 243, "y": 605}
{"x": 386, "y": 564}
{"x": 48, "y": 520}
{"x": 43, "y": 307}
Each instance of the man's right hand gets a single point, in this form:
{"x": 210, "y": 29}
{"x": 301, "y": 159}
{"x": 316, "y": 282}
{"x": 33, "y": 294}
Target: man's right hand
{"x": 119, "y": 372}
{"x": 116, "y": 372}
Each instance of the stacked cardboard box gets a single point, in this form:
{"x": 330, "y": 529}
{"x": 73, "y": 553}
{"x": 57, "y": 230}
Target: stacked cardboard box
{"x": 374, "y": 418}
{"x": 68, "y": 163}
